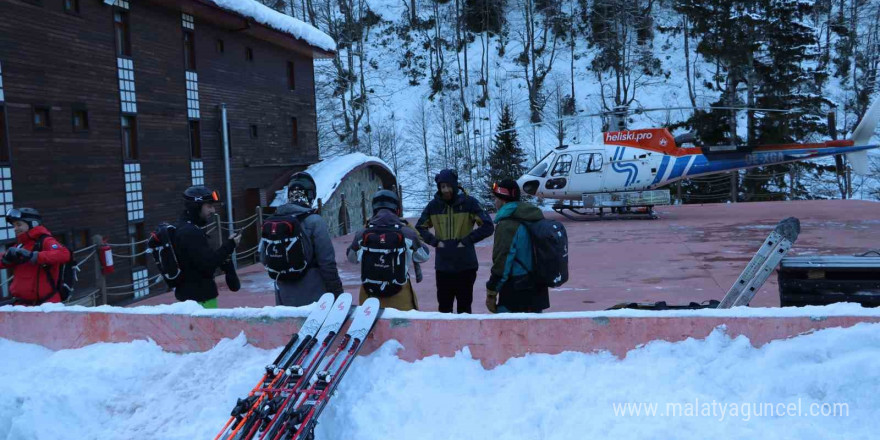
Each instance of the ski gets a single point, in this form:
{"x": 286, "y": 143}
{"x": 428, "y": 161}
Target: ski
{"x": 297, "y": 342}
{"x": 276, "y": 372}
{"x": 302, "y": 417}
{"x": 265, "y": 418}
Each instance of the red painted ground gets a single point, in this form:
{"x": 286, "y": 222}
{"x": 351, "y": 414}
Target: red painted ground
{"x": 692, "y": 253}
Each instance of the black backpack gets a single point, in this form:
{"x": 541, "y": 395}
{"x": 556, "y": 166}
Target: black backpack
{"x": 383, "y": 261}
{"x": 161, "y": 245}
{"x": 285, "y": 250}
{"x": 67, "y": 273}
{"x": 549, "y": 252}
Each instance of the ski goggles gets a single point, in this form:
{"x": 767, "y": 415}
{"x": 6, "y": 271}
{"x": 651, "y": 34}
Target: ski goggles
{"x": 214, "y": 197}
{"x": 13, "y": 214}
{"x": 506, "y": 192}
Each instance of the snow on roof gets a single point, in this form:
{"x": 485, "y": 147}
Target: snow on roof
{"x": 278, "y": 21}
{"x": 328, "y": 175}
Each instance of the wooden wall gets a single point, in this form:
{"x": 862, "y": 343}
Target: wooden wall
{"x": 54, "y": 58}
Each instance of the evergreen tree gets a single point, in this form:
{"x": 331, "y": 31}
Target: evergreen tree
{"x": 506, "y": 156}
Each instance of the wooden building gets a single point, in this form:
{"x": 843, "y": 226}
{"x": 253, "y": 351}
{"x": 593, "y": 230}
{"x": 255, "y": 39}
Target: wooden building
{"x": 109, "y": 110}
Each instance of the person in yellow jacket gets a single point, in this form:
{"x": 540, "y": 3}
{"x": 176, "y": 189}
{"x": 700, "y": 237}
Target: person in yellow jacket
{"x": 386, "y": 249}
{"x": 453, "y": 214}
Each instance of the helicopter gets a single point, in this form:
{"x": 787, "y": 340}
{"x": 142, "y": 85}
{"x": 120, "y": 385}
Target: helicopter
{"x": 622, "y": 173}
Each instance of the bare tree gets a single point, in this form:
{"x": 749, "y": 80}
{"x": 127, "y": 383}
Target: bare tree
{"x": 539, "y": 43}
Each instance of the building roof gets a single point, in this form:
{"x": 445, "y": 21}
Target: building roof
{"x": 329, "y": 173}
{"x": 280, "y": 22}
{"x": 251, "y": 18}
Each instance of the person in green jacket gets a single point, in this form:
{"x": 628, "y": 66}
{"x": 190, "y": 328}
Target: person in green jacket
{"x": 511, "y": 286}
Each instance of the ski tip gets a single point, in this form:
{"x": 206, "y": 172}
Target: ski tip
{"x": 325, "y": 301}
{"x": 370, "y": 307}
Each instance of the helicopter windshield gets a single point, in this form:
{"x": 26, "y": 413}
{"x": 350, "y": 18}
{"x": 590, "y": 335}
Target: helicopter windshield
{"x": 540, "y": 169}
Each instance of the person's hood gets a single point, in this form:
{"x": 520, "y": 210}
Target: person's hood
{"x": 33, "y": 234}
{"x": 294, "y": 209}
{"x": 385, "y": 217}
{"x": 519, "y": 211}
{"x": 457, "y": 197}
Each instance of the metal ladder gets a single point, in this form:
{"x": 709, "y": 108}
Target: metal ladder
{"x": 763, "y": 263}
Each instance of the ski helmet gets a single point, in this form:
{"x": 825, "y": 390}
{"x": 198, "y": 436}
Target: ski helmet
{"x": 196, "y": 196}
{"x": 28, "y": 215}
{"x": 386, "y": 199}
{"x": 301, "y": 190}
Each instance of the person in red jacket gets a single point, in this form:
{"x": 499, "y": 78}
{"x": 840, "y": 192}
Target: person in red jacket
{"x": 32, "y": 268}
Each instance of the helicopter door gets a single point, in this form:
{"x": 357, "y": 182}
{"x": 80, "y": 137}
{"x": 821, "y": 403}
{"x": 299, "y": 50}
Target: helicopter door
{"x": 587, "y": 177}
{"x": 558, "y": 179}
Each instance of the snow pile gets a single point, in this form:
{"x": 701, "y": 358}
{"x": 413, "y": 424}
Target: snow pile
{"x": 137, "y": 391}
{"x": 278, "y": 21}
{"x": 328, "y": 174}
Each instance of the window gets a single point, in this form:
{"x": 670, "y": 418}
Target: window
{"x": 219, "y": 45}
{"x": 71, "y": 6}
{"x": 295, "y": 133}
{"x": 4, "y": 145}
{"x": 248, "y": 54}
{"x": 80, "y": 119}
{"x": 123, "y": 43}
{"x": 195, "y": 139}
{"x": 189, "y": 51}
{"x": 79, "y": 238}
{"x": 562, "y": 166}
{"x": 588, "y": 162}
{"x": 596, "y": 162}
{"x": 253, "y": 131}
{"x": 137, "y": 234}
{"x": 291, "y": 76}
{"x": 41, "y": 118}
{"x": 129, "y": 138}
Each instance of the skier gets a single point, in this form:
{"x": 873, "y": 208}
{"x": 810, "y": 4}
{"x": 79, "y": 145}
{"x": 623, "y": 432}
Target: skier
{"x": 321, "y": 275}
{"x": 198, "y": 262}
{"x": 386, "y": 248}
{"x": 35, "y": 261}
{"x": 452, "y": 214}
{"x": 511, "y": 286}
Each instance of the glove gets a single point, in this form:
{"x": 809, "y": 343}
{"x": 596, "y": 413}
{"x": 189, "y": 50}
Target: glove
{"x": 17, "y": 255}
{"x": 492, "y": 301}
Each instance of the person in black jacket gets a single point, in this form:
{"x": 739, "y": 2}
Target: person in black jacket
{"x": 198, "y": 261}
{"x": 453, "y": 214}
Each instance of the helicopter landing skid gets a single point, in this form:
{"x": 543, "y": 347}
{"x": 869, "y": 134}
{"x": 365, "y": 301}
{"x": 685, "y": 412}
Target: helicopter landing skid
{"x": 579, "y": 213}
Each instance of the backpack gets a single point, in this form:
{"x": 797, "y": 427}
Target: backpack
{"x": 161, "y": 246}
{"x": 549, "y": 252}
{"x": 67, "y": 273}
{"x": 383, "y": 261}
{"x": 285, "y": 250}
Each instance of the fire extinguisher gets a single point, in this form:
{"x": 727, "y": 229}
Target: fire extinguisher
{"x": 106, "y": 258}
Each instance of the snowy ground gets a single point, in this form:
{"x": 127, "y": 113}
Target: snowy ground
{"x": 137, "y": 391}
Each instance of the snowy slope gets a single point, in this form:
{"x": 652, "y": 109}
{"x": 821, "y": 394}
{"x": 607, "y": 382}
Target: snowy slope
{"x": 137, "y": 391}
{"x": 395, "y": 104}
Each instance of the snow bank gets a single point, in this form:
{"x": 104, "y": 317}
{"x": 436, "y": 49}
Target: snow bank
{"x": 328, "y": 174}
{"x": 278, "y": 21}
{"x": 194, "y": 309}
{"x": 137, "y": 391}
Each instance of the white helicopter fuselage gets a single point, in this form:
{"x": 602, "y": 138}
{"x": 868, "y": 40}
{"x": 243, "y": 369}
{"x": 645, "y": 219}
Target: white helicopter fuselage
{"x": 570, "y": 172}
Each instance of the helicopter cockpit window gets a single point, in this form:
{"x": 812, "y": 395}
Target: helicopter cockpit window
{"x": 588, "y": 162}
{"x": 596, "y": 162}
{"x": 562, "y": 166}
{"x": 540, "y": 170}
